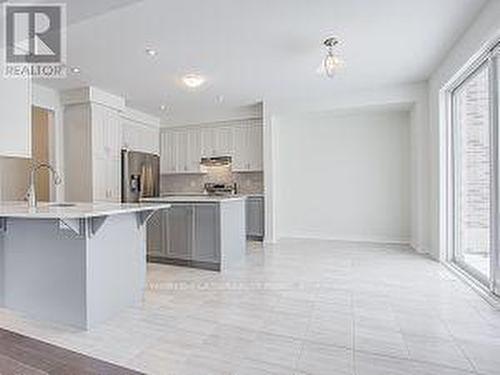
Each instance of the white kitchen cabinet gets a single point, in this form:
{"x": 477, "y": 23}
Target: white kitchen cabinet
{"x": 182, "y": 142}
{"x": 217, "y": 141}
{"x": 224, "y": 141}
{"x": 139, "y": 137}
{"x": 106, "y": 133}
{"x": 106, "y": 150}
{"x": 93, "y": 140}
{"x": 183, "y": 147}
{"x": 106, "y": 180}
{"x": 168, "y": 160}
{"x": 248, "y": 149}
{"x": 241, "y": 149}
{"x": 15, "y": 123}
{"x": 181, "y": 151}
{"x": 193, "y": 150}
{"x": 255, "y": 152}
{"x": 113, "y": 181}
{"x": 164, "y": 158}
{"x": 208, "y": 142}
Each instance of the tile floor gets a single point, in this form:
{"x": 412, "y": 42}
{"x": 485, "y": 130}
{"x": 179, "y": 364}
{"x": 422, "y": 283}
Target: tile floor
{"x": 301, "y": 307}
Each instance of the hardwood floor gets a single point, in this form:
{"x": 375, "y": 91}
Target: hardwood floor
{"x": 22, "y": 355}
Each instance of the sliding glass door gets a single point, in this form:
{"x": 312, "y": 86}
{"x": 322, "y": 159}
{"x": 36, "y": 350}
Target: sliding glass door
{"x": 475, "y": 155}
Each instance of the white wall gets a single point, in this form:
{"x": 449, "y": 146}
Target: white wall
{"x": 414, "y": 97}
{"x": 484, "y": 29}
{"x": 419, "y": 180}
{"x": 344, "y": 175}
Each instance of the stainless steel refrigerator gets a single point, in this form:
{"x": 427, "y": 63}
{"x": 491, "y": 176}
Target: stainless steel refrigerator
{"x": 140, "y": 176}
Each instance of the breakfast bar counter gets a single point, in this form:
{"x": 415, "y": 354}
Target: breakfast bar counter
{"x": 73, "y": 263}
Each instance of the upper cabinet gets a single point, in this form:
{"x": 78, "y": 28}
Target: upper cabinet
{"x": 181, "y": 151}
{"x": 139, "y": 137}
{"x": 140, "y": 132}
{"x": 248, "y": 150}
{"x": 182, "y": 148}
{"x": 106, "y": 132}
{"x": 15, "y": 123}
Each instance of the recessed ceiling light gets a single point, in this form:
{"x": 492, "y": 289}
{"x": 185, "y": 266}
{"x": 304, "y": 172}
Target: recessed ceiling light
{"x": 193, "y": 80}
{"x": 163, "y": 107}
{"x": 75, "y": 70}
{"x": 151, "y": 52}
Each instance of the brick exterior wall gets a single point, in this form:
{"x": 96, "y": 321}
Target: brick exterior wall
{"x": 474, "y": 164}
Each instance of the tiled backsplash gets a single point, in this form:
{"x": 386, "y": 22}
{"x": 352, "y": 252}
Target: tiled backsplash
{"x": 248, "y": 182}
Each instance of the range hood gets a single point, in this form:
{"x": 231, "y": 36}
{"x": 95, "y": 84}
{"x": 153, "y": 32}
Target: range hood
{"x": 216, "y": 161}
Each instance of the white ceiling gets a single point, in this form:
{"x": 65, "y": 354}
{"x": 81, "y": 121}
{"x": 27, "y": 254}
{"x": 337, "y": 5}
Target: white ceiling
{"x": 254, "y": 50}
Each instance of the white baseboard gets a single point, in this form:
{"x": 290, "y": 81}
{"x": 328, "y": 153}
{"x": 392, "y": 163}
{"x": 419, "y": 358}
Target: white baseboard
{"x": 375, "y": 240}
{"x": 419, "y": 249}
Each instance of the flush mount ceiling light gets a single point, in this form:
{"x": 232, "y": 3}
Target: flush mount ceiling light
{"x": 332, "y": 62}
{"x": 75, "y": 69}
{"x": 151, "y": 52}
{"x": 163, "y": 107}
{"x": 193, "y": 80}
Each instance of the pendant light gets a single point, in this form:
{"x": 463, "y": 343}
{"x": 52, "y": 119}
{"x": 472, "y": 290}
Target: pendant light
{"x": 332, "y": 62}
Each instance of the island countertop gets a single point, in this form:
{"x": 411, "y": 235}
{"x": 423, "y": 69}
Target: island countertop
{"x": 194, "y": 198}
{"x": 71, "y": 210}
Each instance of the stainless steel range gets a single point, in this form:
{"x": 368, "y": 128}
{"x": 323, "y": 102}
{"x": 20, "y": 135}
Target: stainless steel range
{"x": 221, "y": 188}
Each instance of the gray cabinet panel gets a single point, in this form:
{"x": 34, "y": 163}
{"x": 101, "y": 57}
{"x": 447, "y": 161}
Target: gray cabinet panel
{"x": 255, "y": 217}
{"x": 206, "y": 233}
{"x": 199, "y": 234}
{"x": 179, "y": 233}
{"x": 154, "y": 234}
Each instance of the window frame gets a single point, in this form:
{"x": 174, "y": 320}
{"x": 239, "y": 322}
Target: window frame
{"x": 489, "y": 58}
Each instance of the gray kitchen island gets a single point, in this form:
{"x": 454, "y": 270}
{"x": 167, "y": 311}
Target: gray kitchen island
{"x": 75, "y": 264}
{"x": 205, "y": 232}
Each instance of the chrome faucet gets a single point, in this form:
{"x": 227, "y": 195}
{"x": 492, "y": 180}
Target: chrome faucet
{"x": 31, "y": 194}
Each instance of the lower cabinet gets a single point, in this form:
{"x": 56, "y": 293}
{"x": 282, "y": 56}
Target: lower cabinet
{"x": 206, "y": 241}
{"x": 255, "y": 217}
{"x": 154, "y": 234}
{"x": 187, "y": 233}
{"x": 178, "y": 232}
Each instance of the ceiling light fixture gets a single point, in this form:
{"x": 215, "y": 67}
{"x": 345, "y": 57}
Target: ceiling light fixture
{"x": 75, "y": 70}
{"x": 163, "y": 107}
{"x": 332, "y": 62}
{"x": 151, "y": 52}
{"x": 193, "y": 80}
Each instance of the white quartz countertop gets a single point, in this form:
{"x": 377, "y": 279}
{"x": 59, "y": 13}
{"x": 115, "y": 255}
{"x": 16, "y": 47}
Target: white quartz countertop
{"x": 73, "y": 210}
{"x": 194, "y": 198}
